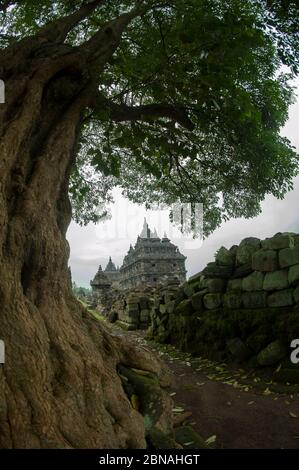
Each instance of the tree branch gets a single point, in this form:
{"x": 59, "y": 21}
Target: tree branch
{"x": 122, "y": 112}
{"x": 105, "y": 41}
{"x": 57, "y": 30}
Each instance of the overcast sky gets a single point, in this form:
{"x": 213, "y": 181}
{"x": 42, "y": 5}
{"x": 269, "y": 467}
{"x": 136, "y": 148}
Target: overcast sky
{"x": 92, "y": 245}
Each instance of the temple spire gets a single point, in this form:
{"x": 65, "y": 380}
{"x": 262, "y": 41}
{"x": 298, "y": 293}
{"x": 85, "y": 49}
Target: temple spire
{"x": 145, "y": 230}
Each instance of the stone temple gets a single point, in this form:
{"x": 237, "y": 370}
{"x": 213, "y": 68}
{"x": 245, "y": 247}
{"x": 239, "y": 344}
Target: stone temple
{"x": 151, "y": 261}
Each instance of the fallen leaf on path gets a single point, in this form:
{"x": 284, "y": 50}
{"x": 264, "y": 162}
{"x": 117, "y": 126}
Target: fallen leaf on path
{"x": 180, "y": 418}
{"x": 211, "y": 439}
{"x": 178, "y": 409}
{"x": 293, "y": 415}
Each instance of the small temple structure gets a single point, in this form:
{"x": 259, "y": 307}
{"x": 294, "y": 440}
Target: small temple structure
{"x": 152, "y": 260}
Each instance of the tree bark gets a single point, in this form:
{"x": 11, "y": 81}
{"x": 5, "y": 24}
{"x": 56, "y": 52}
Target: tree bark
{"x": 59, "y": 386}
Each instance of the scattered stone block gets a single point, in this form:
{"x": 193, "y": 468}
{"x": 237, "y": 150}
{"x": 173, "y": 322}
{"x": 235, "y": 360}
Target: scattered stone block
{"x": 186, "y": 434}
{"x": 196, "y": 300}
{"x": 272, "y": 354}
{"x": 214, "y": 271}
{"x": 234, "y": 284}
{"x": 281, "y": 298}
{"x": 170, "y": 306}
{"x": 254, "y": 299}
{"x": 232, "y": 299}
{"x": 264, "y": 260}
{"x": 195, "y": 278}
{"x": 215, "y": 285}
{"x": 245, "y": 250}
{"x": 188, "y": 289}
{"x": 278, "y": 242}
{"x": 251, "y": 241}
{"x": 289, "y": 256}
{"x": 276, "y": 280}
{"x": 126, "y": 326}
{"x": 224, "y": 257}
{"x": 253, "y": 282}
{"x": 242, "y": 271}
{"x": 238, "y": 349}
{"x": 296, "y": 294}
{"x": 294, "y": 274}
{"x": 212, "y": 301}
{"x": 159, "y": 439}
{"x": 162, "y": 308}
{"x": 144, "y": 315}
{"x": 185, "y": 307}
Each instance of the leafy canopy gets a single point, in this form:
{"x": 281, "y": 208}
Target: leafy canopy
{"x": 226, "y": 63}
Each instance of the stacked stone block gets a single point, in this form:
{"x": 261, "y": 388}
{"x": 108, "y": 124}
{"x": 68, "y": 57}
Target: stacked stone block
{"x": 249, "y": 293}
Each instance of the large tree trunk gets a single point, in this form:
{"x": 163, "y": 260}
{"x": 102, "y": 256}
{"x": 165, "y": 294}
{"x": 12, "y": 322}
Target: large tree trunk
{"x": 59, "y": 386}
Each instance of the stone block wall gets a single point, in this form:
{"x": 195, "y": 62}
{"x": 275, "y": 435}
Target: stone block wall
{"x": 248, "y": 296}
{"x": 131, "y": 308}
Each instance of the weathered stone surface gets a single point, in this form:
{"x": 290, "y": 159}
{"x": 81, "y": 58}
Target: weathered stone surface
{"x": 215, "y": 285}
{"x": 224, "y": 257}
{"x": 126, "y": 326}
{"x": 162, "y": 308}
{"x": 132, "y": 308}
{"x": 294, "y": 274}
{"x": 245, "y": 250}
{"x": 185, "y": 307}
{"x": 212, "y": 301}
{"x": 234, "y": 284}
{"x": 133, "y": 316}
{"x": 276, "y": 280}
{"x": 186, "y": 434}
{"x": 242, "y": 271}
{"x": 112, "y": 316}
{"x": 170, "y": 306}
{"x": 281, "y": 298}
{"x": 289, "y": 256}
{"x": 254, "y": 299}
{"x": 233, "y": 250}
{"x": 188, "y": 289}
{"x": 195, "y": 278}
{"x": 238, "y": 349}
{"x": 278, "y": 242}
{"x": 253, "y": 282}
{"x": 144, "y": 315}
{"x": 273, "y": 353}
{"x": 159, "y": 439}
{"x": 143, "y": 302}
{"x": 232, "y": 299}
{"x": 251, "y": 241}
{"x": 214, "y": 271}
{"x": 196, "y": 300}
{"x": 154, "y": 402}
{"x": 264, "y": 260}
{"x": 296, "y": 294}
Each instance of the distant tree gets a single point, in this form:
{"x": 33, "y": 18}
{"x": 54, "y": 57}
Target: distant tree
{"x": 81, "y": 292}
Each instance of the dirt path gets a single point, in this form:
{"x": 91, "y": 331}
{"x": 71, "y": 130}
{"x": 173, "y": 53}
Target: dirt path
{"x": 236, "y": 407}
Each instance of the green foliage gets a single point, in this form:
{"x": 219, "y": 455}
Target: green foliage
{"x": 81, "y": 292}
{"x": 222, "y": 61}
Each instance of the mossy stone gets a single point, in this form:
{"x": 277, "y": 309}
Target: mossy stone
{"x": 188, "y": 438}
{"x": 159, "y": 440}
